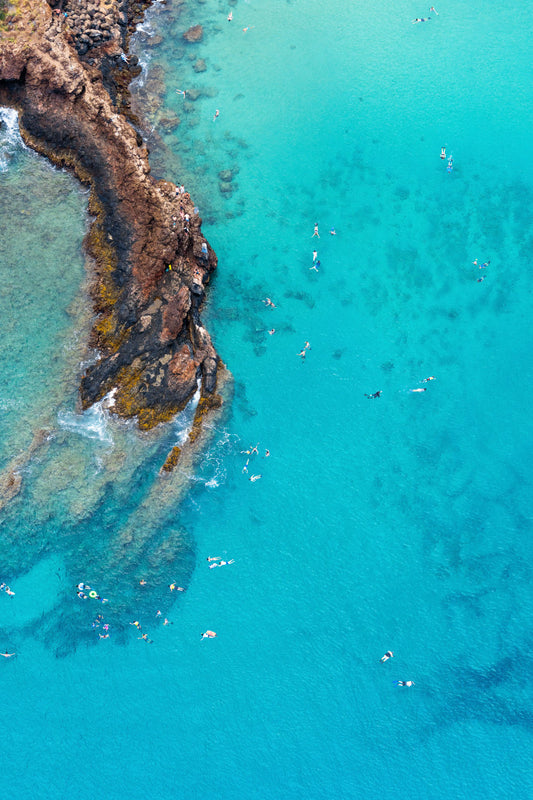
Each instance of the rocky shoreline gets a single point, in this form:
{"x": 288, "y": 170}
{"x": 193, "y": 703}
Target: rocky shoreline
{"x": 64, "y": 67}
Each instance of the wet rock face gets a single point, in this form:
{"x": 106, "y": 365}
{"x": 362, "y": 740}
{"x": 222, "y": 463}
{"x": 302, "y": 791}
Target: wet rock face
{"x": 151, "y": 261}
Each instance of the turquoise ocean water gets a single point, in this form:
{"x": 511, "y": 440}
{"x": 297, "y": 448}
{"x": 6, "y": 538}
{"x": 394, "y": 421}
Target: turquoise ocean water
{"x": 399, "y": 523}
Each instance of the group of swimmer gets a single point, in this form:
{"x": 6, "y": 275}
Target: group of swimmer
{"x": 390, "y": 654}
{"x": 85, "y": 592}
{"x": 253, "y": 451}
{"x": 449, "y": 166}
{"x": 482, "y": 265}
{"x": 377, "y": 394}
{"x": 425, "y": 19}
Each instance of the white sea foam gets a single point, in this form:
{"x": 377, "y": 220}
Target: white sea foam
{"x": 92, "y": 423}
{"x": 183, "y": 422}
{"x": 10, "y": 138}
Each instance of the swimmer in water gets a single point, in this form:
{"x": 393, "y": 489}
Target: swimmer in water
{"x": 82, "y": 595}
{"x": 388, "y": 654}
{"x": 373, "y": 396}
{"x": 307, "y": 346}
{"x": 254, "y": 450}
{"x": 315, "y": 231}
{"x": 8, "y": 655}
{"x": 222, "y": 563}
{"x": 142, "y": 582}
{"x": 245, "y": 468}
{"x": 272, "y": 331}
{"x": 167, "y": 622}
{"x": 404, "y": 683}
{"x": 480, "y": 280}
{"x": 254, "y": 478}
{"x": 208, "y": 635}
{"x": 333, "y": 232}
{"x": 183, "y": 92}
{"x": 230, "y": 16}
{"x": 418, "y": 390}
{"x": 146, "y": 639}
{"x": 450, "y": 164}
{"x": 83, "y": 587}
{"x": 315, "y": 255}
{"x": 217, "y": 114}
{"x": 484, "y": 265}
{"x": 268, "y": 302}
{"x": 136, "y": 624}
{"x": 443, "y": 153}
{"x": 431, "y": 378}
{"x": 420, "y": 19}
{"x": 315, "y": 266}
{"x": 302, "y": 353}
{"x": 434, "y": 10}
{"x": 267, "y": 453}
{"x": 214, "y": 558}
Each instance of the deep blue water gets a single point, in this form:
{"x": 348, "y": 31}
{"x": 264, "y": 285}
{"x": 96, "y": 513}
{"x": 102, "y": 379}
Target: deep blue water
{"x": 398, "y": 523}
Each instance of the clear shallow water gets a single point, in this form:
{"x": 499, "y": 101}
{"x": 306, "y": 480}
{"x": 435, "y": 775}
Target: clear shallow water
{"x": 399, "y": 523}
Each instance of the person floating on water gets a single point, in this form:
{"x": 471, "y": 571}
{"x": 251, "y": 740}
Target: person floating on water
{"x": 230, "y": 16}
{"x": 418, "y": 390}
{"x": 421, "y": 19}
{"x": 404, "y": 683}
{"x": 315, "y": 255}
{"x": 373, "y": 396}
{"x": 254, "y": 478}
{"x": 214, "y": 558}
{"x": 315, "y": 232}
{"x": 388, "y": 654}
{"x": 222, "y": 563}
{"x": 208, "y": 635}
{"x": 8, "y": 655}
{"x": 268, "y": 302}
{"x": 443, "y": 153}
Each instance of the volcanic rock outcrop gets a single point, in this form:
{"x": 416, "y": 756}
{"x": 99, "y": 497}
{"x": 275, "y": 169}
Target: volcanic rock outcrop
{"x": 151, "y": 261}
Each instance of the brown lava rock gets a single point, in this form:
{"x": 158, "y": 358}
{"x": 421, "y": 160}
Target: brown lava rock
{"x": 194, "y": 34}
{"x": 151, "y": 261}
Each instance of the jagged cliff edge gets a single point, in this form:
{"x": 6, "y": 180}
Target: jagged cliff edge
{"x": 151, "y": 261}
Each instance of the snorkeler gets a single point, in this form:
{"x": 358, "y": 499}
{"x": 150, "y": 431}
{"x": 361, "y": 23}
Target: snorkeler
{"x": 404, "y": 683}
{"x": 420, "y": 19}
{"x": 388, "y": 654}
{"x": 373, "y": 396}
